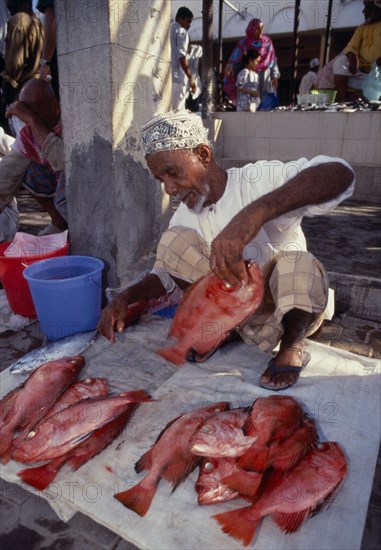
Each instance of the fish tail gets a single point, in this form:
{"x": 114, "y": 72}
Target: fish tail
{"x": 173, "y": 354}
{"x": 138, "y": 499}
{"x": 244, "y": 483}
{"x": 236, "y": 524}
{"x": 39, "y": 477}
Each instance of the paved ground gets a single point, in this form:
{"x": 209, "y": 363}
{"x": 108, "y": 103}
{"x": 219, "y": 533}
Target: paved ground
{"x": 345, "y": 247}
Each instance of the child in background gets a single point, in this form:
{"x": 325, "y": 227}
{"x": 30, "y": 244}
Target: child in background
{"x": 247, "y": 83}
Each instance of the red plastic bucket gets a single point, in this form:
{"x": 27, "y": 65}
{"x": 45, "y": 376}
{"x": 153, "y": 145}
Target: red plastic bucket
{"x": 15, "y": 286}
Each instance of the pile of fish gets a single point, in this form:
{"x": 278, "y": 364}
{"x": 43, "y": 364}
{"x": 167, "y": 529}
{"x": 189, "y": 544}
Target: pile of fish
{"x": 268, "y": 453}
{"x": 55, "y": 417}
{"x": 209, "y": 311}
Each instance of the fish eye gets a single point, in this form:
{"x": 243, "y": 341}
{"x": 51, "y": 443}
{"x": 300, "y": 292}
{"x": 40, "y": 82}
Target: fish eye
{"x": 208, "y": 466}
{"x": 205, "y": 429}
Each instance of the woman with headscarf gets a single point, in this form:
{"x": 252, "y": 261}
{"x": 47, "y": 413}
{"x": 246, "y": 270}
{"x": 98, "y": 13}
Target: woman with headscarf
{"x": 267, "y": 69}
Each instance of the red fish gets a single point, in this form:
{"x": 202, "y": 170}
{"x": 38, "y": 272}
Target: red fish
{"x": 209, "y": 311}
{"x": 284, "y": 454}
{"x": 271, "y": 419}
{"x": 221, "y": 435}
{"x": 169, "y": 458}
{"x": 91, "y": 387}
{"x": 209, "y": 485}
{"x": 83, "y": 389}
{"x": 66, "y": 429}
{"x": 42, "y": 476}
{"x": 313, "y": 483}
{"x": 28, "y": 404}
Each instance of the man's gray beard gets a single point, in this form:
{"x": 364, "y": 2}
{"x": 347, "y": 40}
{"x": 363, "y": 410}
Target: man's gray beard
{"x": 198, "y": 207}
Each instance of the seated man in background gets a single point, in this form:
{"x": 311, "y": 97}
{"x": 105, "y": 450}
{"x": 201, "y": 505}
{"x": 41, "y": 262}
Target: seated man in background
{"x": 9, "y": 215}
{"x": 36, "y": 158}
{"x": 229, "y": 216}
{"x": 23, "y": 47}
{"x": 351, "y": 68}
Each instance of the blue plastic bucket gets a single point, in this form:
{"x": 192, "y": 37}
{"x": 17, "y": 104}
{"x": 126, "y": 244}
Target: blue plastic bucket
{"x": 67, "y": 294}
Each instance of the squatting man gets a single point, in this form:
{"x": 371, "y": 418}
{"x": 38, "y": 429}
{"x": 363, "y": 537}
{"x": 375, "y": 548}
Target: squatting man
{"x": 240, "y": 211}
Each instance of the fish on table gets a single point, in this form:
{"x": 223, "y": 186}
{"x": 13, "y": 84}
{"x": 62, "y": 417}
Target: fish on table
{"x": 66, "y": 429}
{"x": 222, "y": 435}
{"x": 83, "y": 389}
{"x": 54, "y": 349}
{"x": 25, "y": 406}
{"x": 318, "y": 477}
{"x": 271, "y": 419}
{"x": 169, "y": 458}
{"x": 209, "y": 485}
{"x": 41, "y": 477}
{"x": 209, "y": 311}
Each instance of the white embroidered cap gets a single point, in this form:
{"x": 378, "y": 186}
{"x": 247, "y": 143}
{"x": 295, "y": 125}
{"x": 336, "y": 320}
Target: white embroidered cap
{"x": 173, "y": 130}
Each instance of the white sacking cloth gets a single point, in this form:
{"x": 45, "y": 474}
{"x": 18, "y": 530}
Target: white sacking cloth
{"x": 339, "y": 389}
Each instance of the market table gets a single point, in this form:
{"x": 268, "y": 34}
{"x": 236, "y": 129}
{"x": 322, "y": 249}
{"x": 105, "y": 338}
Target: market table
{"x": 339, "y": 389}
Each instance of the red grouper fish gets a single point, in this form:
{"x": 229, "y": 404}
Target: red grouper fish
{"x": 209, "y": 486}
{"x": 42, "y": 476}
{"x": 221, "y": 435}
{"x": 292, "y": 497}
{"x": 28, "y": 404}
{"x": 83, "y": 389}
{"x": 208, "y": 312}
{"x": 283, "y": 455}
{"x": 169, "y": 458}
{"x": 272, "y": 418}
{"x": 66, "y": 429}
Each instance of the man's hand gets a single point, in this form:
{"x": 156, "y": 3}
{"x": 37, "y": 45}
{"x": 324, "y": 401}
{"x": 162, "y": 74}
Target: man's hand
{"x": 353, "y": 66}
{"x": 21, "y": 110}
{"x": 45, "y": 73}
{"x": 113, "y": 316}
{"x": 226, "y": 259}
{"x": 192, "y": 85}
{"x": 129, "y": 305}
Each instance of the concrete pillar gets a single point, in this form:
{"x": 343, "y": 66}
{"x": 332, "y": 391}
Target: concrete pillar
{"x": 114, "y": 70}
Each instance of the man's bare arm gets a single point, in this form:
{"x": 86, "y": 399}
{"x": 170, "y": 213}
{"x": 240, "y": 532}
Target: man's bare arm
{"x": 314, "y": 185}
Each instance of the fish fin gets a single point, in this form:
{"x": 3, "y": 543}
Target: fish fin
{"x": 5, "y": 446}
{"x": 244, "y": 483}
{"x": 236, "y": 524}
{"x": 291, "y": 522}
{"x": 137, "y": 396}
{"x": 144, "y": 462}
{"x": 248, "y": 427}
{"x": 177, "y": 473}
{"x": 255, "y": 459}
{"x": 41, "y": 476}
{"x": 282, "y": 464}
{"x": 173, "y": 354}
{"x": 138, "y": 498}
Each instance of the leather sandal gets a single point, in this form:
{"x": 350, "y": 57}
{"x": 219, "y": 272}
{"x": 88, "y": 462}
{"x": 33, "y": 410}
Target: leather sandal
{"x": 272, "y": 369}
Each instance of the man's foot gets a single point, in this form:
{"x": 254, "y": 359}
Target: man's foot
{"x": 284, "y": 369}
